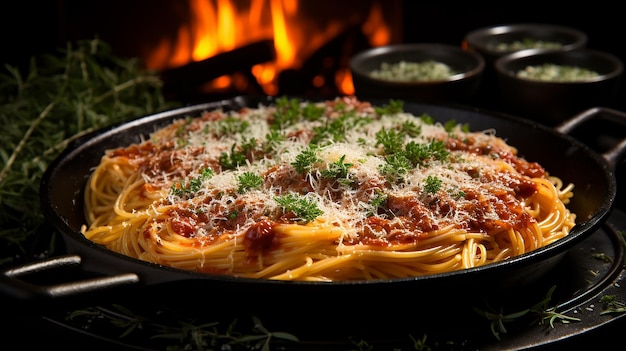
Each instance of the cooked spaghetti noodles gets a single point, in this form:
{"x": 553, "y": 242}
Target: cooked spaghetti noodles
{"x": 323, "y": 191}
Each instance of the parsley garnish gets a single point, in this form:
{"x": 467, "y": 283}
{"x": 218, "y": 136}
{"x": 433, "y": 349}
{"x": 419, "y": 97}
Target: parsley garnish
{"x": 379, "y": 200}
{"x": 305, "y": 210}
{"x": 273, "y": 139}
{"x": 433, "y": 184}
{"x": 456, "y": 193}
{"x": 338, "y": 170}
{"x": 248, "y": 181}
{"x": 232, "y": 215}
{"x": 400, "y": 161}
{"x": 438, "y": 150}
{"x": 305, "y": 160}
{"x": 391, "y": 141}
{"x": 248, "y": 144}
{"x": 419, "y": 153}
{"x": 396, "y": 166}
{"x": 183, "y": 188}
{"x": 411, "y": 129}
{"x": 287, "y": 112}
{"x": 334, "y": 131}
{"x": 394, "y": 106}
{"x": 427, "y": 119}
{"x": 450, "y": 124}
{"x": 312, "y": 112}
{"x": 231, "y": 125}
{"x": 232, "y": 160}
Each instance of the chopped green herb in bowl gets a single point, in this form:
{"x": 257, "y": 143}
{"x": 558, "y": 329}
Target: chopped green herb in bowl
{"x": 557, "y": 73}
{"x": 495, "y": 41}
{"x": 523, "y": 44}
{"x": 417, "y": 72}
{"x": 413, "y": 71}
{"x": 552, "y": 86}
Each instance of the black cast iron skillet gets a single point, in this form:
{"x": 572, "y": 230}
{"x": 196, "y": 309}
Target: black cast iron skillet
{"x": 62, "y": 204}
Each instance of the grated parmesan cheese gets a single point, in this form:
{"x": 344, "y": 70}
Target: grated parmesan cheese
{"x": 474, "y": 181}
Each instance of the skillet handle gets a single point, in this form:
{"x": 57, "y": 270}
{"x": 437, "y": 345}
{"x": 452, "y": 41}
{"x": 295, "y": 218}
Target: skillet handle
{"x": 23, "y": 290}
{"x": 618, "y": 151}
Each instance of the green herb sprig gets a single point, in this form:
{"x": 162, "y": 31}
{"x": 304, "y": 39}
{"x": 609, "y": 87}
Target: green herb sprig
{"x": 541, "y": 311}
{"x": 396, "y": 167}
{"x": 249, "y": 181}
{"x": 287, "y": 112}
{"x": 390, "y": 140}
{"x": 304, "y": 209}
{"x": 304, "y": 160}
{"x": 612, "y": 305}
{"x": 184, "y": 333}
{"x": 338, "y": 170}
{"x": 43, "y": 108}
{"x": 418, "y": 154}
{"x": 393, "y": 107}
{"x": 234, "y": 159}
{"x": 433, "y": 184}
{"x": 192, "y": 186}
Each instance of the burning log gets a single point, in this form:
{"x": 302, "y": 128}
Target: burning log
{"x": 185, "y": 81}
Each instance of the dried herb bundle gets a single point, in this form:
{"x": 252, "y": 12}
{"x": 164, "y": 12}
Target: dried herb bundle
{"x": 63, "y": 95}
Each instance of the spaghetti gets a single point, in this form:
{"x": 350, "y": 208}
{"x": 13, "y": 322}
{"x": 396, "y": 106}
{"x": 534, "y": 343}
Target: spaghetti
{"x": 322, "y": 191}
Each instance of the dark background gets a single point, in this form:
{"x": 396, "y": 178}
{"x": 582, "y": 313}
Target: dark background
{"x": 32, "y": 27}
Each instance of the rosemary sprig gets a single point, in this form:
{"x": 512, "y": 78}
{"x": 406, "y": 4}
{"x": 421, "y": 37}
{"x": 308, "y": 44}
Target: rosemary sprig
{"x": 62, "y": 96}
{"x": 542, "y": 311}
{"x": 612, "y": 305}
{"x": 182, "y": 333}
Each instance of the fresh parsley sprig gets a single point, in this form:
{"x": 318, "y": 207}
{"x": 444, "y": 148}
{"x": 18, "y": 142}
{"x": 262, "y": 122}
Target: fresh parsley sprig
{"x": 305, "y": 159}
{"x": 452, "y": 123}
{"x": 391, "y": 141}
{"x": 393, "y": 107}
{"x": 230, "y": 126}
{"x": 419, "y": 154}
{"x": 249, "y": 181}
{"x": 273, "y": 140}
{"x": 378, "y": 202}
{"x": 411, "y": 129}
{"x": 287, "y": 112}
{"x": 305, "y": 210}
{"x": 192, "y": 186}
{"x": 338, "y": 170}
{"x": 233, "y": 159}
{"x": 432, "y": 184}
{"x": 396, "y": 167}
{"x": 335, "y": 130}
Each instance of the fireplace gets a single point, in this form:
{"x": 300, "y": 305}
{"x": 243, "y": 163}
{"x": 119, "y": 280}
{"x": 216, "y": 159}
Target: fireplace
{"x": 221, "y": 48}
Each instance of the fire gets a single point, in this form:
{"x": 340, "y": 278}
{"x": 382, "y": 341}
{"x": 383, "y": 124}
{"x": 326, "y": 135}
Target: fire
{"x": 218, "y": 26}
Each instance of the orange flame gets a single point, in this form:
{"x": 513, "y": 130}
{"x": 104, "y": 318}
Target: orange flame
{"x": 218, "y": 26}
